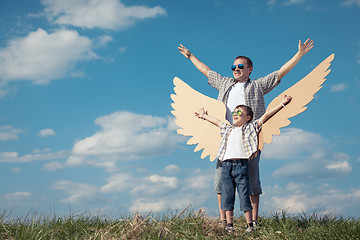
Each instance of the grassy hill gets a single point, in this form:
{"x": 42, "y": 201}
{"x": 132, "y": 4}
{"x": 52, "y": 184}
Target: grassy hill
{"x": 186, "y": 225}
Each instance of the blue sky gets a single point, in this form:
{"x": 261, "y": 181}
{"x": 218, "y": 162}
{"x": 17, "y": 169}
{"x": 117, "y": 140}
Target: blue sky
{"x": 86, "y": 124}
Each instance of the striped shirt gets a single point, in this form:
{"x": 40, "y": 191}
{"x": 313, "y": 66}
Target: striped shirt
{"x": 254, "y": 90}
{"x": 250, "y": 138}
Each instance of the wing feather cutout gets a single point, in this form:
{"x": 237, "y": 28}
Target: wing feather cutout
{"x": 204, "y": 134}
{"x": 207, "y": 136}
{"x": 302, "y": 93}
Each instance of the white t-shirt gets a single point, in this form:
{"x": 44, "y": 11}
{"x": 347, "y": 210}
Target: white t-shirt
{"x": 236, "y": 97}
{"x": 235, "y": 145}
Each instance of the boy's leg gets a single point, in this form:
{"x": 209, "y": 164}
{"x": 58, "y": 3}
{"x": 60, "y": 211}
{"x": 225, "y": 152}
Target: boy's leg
{"x": 242, "y": 183}
{"x": 255, "y": 184}
{"x": 229, "y": 216}
{"x": 227, "y": 190}
{"x": 248, "y": 217}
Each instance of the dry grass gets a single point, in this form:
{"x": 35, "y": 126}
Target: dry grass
{"x": 185, "y": 225}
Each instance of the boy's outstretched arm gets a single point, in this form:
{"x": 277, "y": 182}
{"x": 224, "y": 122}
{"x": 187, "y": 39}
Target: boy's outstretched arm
{"x": 302, "y": 50}
{"x": 197, "y": 63}
{"x": 201, "y": 113}
{"x": 271, "y": 112}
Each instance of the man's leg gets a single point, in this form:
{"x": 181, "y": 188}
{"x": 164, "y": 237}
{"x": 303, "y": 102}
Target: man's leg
{"x": 255, "y": 199}
{"x": 222, "y": 212}
{"x": 217, "y": 188}
{"x": 255, "y": 185}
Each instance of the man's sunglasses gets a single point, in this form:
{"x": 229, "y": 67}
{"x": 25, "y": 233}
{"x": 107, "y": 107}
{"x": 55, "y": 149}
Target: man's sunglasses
{"x": 238, "y": 112}
{"x": 240, "y": 66}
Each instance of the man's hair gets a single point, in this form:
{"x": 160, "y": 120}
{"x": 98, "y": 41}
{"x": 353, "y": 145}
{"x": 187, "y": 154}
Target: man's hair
{"x": 247, "y": 110}
{"x": 248, "y": 60}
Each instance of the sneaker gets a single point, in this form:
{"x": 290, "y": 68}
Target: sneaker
{"x": 229, "y": 228}
{"x": 255, "y": 224}
{"x": 249, "y": 229}
{"x": 222, "y": 223}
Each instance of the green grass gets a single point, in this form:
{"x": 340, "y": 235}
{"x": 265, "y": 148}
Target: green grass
{"x": 186, "y": 225}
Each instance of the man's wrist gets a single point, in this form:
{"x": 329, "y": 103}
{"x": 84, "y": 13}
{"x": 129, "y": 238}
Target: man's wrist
{"x": 300, "y": 53}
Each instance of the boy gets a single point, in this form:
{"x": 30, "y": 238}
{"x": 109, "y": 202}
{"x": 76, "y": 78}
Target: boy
{"x": 239, "y": 142}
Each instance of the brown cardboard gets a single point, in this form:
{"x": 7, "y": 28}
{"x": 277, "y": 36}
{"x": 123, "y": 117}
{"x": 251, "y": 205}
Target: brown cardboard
{"x": 207, "y": 136}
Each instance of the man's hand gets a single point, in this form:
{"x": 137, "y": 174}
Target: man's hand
{"x": 305, "y": 48}
{"x": 184, "y": 51}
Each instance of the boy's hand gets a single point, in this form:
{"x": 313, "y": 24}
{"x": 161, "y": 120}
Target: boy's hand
{"x": 184, "y": 51}
{"x": 200, "y": 113}
{"x": 286, "y": 99}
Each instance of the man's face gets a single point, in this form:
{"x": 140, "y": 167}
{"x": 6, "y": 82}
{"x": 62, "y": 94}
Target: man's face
{"x": 241, "y": 74}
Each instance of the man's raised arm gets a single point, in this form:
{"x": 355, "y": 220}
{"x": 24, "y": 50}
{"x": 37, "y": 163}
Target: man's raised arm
{"x": 302, "y": 50}
{"x": 197, "y": 63}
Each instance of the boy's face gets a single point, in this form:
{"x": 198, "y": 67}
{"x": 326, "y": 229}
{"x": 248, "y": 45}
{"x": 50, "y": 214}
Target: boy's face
{"x": 240, "y": 117}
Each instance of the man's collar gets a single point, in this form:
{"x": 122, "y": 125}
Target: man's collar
{"x": 247, "y": 80}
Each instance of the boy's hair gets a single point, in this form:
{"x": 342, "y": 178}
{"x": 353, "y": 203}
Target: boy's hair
{"x": 247, "y": 110}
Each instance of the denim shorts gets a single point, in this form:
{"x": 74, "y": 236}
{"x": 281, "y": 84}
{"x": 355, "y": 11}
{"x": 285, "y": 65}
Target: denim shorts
{"x": 254, "y": 176}
{"x": 235, "y": 177}
{"x": 217, "y": 177}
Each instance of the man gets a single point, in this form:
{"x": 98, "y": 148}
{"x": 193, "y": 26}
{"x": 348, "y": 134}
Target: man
{"x": 240, "y": 90}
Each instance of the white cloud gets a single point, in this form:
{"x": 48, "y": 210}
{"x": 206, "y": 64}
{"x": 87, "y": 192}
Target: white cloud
{"x": 41, "y": 57}
{"x": 13, "y": 157}
{"x": 104, "y": 40}
{"x": 171, "y": 169}
{"x": 16, "y": 170}
{"x": 310, "y": 154}
{"x": 9, "y": 133}
{"x": 122, "y": 49}
{"x": 16, "y": 199}
{"x": 297, "y": 198}
{"x": 52, "y": 166}
{"x": 349, "y": 3}
{"x": 292, "y": 2}
{"x": 118, "y": 183}
{"x": 179, "y": 194}
{"x": 339, "y": 87}
{"x": 80, "y": 193}
{"x": 16, "y": 196}
{"x": 147, "y": 205}
{"x": 199, "y": 181}
{"x": 155, "y": 185}
{"x": 106, "y": 14}
{"x": 310, "y": 169}
{"x": 46, "y": 132}
{"x": 291, "y": 143}
{"x": 144, "y": 193}
{"x": 125, "y": 136}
